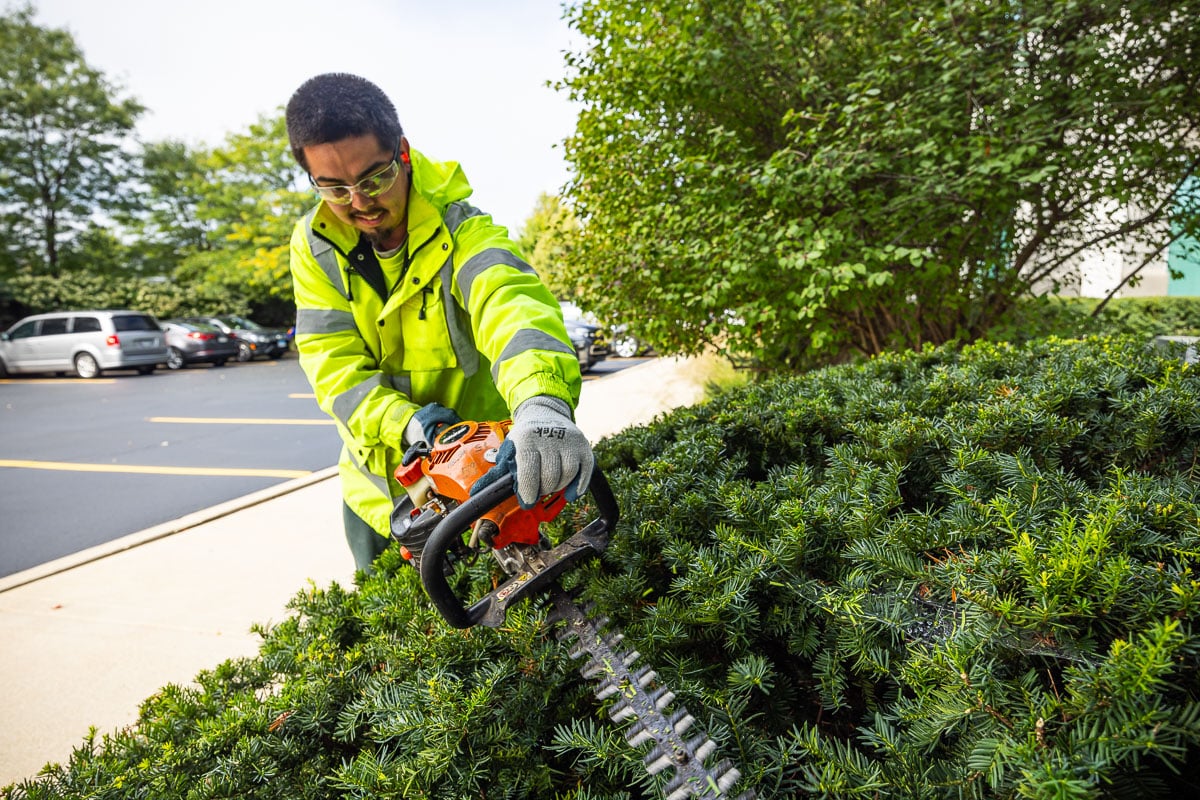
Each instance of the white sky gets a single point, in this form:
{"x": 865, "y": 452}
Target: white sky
{"x": 468, "y": 77}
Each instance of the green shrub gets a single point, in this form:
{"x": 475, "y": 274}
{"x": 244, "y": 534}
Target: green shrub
{"x": 1037, "y": 318}
{"x": 944, "y": 574}
{"x": 38, "y": 294}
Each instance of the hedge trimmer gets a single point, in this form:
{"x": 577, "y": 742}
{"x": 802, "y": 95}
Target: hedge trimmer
{"x": 444, "y": 529}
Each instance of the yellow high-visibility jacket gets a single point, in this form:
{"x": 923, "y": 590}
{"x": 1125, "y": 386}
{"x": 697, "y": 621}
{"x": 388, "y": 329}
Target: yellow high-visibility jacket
{"x": 467, "y": 323}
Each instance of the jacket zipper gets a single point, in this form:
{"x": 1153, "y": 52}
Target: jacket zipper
{"x": 425, "y": 291}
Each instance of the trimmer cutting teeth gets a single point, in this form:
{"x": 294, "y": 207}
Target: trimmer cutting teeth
{"x": 641, "y": 699}
{"x": 442, "y": 528}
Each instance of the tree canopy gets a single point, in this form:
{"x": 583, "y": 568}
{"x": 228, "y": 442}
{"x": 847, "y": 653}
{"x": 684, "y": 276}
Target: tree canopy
{"x": 803, "y": 180}
{"x": 249, "y": 195}
{"x": 545, "y": 239}
{"x": 64, "y": 132}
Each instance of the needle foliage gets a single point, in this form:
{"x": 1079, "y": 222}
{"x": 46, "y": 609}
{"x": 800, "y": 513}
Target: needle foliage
{"x": 954, "y": 573}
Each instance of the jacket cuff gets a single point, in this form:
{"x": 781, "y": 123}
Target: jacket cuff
{"x": 541, "y": 383}
{"x": 395, "y": 425}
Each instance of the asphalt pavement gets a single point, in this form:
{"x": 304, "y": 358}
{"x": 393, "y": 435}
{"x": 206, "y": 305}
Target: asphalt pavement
{"x": 90, "y": 636}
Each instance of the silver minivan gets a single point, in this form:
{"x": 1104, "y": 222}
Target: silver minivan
{"x": 84, "y": 342}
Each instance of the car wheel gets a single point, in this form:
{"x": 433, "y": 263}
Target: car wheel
{"x": 146, "y": 370}
{"x": 174, "y": 359}
{"x": 220, "y": 362}
{"x": 86, "y": 366}
{"x": 3, "y": 370}
{"x": 244, "y": 352}
{"x": 625, "y": 347}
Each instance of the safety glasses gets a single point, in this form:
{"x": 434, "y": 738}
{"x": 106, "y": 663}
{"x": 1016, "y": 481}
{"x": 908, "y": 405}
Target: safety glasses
{"x": 370, "y": 186}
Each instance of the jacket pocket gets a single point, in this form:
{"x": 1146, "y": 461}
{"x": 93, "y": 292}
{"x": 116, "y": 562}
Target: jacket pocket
{"x": 426, "y": 344}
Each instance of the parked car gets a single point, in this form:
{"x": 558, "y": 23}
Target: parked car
{"x": 582, "y": 337}
{"x": 253, "y": 339}
{"x": 84, "y": 342}
{"x": 625, "y": 344}
{"x": 197, "y": 343}
{"x": 590, "y": 345}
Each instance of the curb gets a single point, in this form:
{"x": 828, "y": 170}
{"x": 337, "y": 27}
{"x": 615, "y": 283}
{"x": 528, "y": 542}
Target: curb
{"x": 161, "y": 531}
{"x": 203, "y": 516}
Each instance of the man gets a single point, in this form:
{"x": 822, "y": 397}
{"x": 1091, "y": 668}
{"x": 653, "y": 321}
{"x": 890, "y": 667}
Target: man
{"x": 414, "y": 309}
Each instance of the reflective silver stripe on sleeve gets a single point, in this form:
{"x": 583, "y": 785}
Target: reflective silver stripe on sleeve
{"x": 458, "y": 213}
{"x": 323, "y": 320}
{"x": 401, "y": 383}
{"x": 479, "y": 263}
{"x": 526, "y": 340}
{"x": 457, "y": 320}
{"x": 458, "y": 324}
{"x": 346, "y": 402}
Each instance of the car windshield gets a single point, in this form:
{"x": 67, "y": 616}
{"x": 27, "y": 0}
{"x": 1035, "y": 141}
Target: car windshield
{"x": 189, "y": 325}
{"x": 234, "y": 321}
{"x": 135, "y": 322}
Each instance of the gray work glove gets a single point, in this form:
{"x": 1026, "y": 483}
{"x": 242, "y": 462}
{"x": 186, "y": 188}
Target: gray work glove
{"x": 427, "y": 421}
{"x": 545, "y": 451}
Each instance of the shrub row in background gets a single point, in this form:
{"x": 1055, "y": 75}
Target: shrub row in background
{"x": 1078, "y": 316}
{"x": 947, "y": 574}
{"x": 23, "y": 295}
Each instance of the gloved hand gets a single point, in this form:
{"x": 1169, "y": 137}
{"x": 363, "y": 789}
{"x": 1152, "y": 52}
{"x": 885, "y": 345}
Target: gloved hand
{"x": 545, "y": 451}
{"x": 427, "y": 421}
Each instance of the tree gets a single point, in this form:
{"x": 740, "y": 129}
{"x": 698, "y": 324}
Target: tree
{"x": 216, "y": 221}
{"x": 545, "y": 239}
{"x": 63, "y": 136}
{"x": 169, "y": 223}
{"x": 248, "y": 194}
{"x": 804, "y": 180}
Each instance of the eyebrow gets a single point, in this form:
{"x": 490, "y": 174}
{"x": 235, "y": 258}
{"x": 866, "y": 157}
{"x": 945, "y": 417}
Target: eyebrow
{"x": 379, "y": 166}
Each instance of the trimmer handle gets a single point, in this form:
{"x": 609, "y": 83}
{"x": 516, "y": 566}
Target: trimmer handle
{"x": 490, "y": 610}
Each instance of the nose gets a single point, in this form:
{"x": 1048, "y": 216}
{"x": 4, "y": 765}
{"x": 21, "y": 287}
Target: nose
{"x": 359, "y": 201}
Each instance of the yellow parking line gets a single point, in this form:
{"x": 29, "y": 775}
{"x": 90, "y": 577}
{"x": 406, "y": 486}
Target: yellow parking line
{"x": 238, "y": 421}
{"x": 68, "y": 466}
{"x": 63, "y": 381}
{"x": 300, "y": 396}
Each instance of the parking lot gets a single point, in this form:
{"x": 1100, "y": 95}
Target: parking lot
{"x": 83, "y": 462}
{"x": 86, "y": 461}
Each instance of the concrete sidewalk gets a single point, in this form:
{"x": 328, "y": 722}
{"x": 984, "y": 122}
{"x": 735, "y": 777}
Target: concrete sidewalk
{"x": 86, "y": 639}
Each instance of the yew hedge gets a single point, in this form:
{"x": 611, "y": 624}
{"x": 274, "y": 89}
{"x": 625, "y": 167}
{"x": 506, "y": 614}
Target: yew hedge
{"x": 945, "y": 574}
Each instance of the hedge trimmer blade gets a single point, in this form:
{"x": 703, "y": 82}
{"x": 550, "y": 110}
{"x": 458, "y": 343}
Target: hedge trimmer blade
{"x": 644, "y": 701}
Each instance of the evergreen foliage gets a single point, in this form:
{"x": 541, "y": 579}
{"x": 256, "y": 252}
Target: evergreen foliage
{"x": 946, "y": 574}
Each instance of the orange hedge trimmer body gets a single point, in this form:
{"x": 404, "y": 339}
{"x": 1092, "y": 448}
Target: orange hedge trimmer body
{"x": 460, "y": 456}
{"x": 438, "y": 478}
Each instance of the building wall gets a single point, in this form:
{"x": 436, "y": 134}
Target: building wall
{"x": 1184, "y": 254}
{"x": 1101, "y": 269}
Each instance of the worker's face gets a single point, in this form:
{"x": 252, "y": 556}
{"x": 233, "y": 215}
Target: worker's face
{"x": 357, "y": 171}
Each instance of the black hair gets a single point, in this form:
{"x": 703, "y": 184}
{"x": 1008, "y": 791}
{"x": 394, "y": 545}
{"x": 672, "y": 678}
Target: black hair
{"x": 336, "y": 106}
